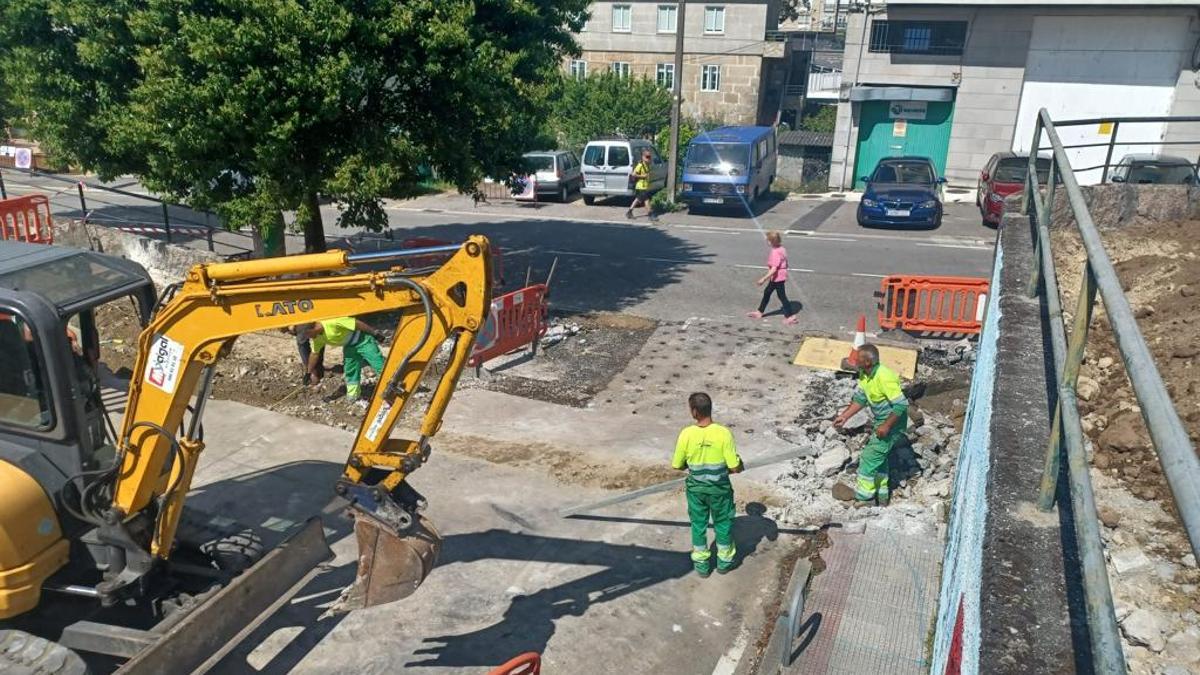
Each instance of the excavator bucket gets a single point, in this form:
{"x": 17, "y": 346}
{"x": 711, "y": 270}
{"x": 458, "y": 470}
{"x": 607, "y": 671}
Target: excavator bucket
{"x": 390, "y": 566}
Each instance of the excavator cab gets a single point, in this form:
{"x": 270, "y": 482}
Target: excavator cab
{"x": 93, "y": 510}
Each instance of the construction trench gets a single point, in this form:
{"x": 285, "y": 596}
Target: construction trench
{"x": 594, "y": 414}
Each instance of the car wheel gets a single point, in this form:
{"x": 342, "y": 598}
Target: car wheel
{"x": 859, "y": 218}
{"x": 564, "y": 194}
{"x": 589, "y": 199}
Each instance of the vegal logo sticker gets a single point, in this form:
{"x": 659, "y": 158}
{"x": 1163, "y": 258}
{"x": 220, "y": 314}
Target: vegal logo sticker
{"x": 163, "y": 369}
{"x": 284, "y": 307}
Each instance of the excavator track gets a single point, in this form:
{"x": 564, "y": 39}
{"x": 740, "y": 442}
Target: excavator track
{"x": 24, "y": 654}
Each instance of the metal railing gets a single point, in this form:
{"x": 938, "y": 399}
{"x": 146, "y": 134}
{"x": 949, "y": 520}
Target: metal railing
{"x": 94, "y": 208}
{"x": 1171, "y": 443}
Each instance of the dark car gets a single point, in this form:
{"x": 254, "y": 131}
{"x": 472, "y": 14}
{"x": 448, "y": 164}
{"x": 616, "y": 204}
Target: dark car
{"x": 1154, "y": 170}
{"x": 902, "y": 191}
{"x": 1004, "y": 175}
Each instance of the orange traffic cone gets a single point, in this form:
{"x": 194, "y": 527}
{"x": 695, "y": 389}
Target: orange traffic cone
{"x": 860, "y": 339}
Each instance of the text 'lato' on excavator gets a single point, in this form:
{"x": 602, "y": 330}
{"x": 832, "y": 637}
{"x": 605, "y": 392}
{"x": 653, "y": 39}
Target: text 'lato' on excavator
{"x": 94, "y": 513}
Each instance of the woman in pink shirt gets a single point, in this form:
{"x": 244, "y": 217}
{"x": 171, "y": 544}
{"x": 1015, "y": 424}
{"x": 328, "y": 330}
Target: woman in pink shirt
{"x": 777, "y": 272}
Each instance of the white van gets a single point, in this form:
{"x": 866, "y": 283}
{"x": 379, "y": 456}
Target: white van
{"x": 607, "y": 163}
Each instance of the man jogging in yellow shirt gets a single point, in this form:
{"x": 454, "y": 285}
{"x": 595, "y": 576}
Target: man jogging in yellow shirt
{"x": 641, "y": 188}
{"x": 879, "y": 389}
{"x": 706, "y": 450}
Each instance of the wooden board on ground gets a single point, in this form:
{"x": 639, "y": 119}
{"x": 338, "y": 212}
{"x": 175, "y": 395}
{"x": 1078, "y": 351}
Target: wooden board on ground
{"x": 827, "y": 354}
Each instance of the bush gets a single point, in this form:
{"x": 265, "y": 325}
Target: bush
{"x": 606, "y": 104}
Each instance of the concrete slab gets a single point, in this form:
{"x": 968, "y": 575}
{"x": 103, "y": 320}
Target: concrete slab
{"x": 513, "y": 577}
{"x": 872, "y": 608}
{"x": 827, "y": 354}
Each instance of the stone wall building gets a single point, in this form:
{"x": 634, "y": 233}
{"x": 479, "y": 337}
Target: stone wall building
{"x": 724, "y": 46}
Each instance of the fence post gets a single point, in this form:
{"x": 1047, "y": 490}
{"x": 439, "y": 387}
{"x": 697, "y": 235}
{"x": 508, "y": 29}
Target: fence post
{"x": 1112, "y": 142}
{"x": 82, "y": 201}
{"x": 208, "y": 235}
{"x": 1027, "y": 204}
{"x": 1069, "y": 377}
{"x": 166, "y": 222}
{"x": 3, "y": 190}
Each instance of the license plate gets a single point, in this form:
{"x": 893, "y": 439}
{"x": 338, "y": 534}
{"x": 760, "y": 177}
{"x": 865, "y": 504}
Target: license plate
{"x": 899, "y": 213}
{"x": 595, "y": 183}
{"x": 713, "y": 200}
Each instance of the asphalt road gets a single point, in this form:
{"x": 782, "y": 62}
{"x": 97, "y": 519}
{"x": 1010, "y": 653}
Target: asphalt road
{"x": 686, "y": 265}
{"x": 705, "y": 265}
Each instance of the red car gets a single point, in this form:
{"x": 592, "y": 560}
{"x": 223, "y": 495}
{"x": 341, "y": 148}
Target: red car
{"x": 1004, "y": 175}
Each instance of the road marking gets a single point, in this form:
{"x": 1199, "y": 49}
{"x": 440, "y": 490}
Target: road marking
{"x": 801, "y": 269}
{"x": 969, "y": 247}
{"x": 866, "y": 274}
{"x": 728, "y": 662}
{"x": 678, "y": 262}
{"x": 821, "y": 237}
{"x": 751, "y": 267}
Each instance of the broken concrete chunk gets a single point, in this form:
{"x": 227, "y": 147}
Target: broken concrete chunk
{"x": 1086, "y": 388}
{"x": 1145, "y": 628}
{"x": 832, "y": 460}
{"x": 1130, "y": 561}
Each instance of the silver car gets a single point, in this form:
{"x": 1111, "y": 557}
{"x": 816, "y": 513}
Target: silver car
{"x": 557, "y": 173}
{"x": 608, "y": 161}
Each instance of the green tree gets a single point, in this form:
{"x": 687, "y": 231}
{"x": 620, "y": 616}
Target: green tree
{"x": 256, "y": 107}
{"x": 824, "y": 119}
{"x": 607, "y": 104}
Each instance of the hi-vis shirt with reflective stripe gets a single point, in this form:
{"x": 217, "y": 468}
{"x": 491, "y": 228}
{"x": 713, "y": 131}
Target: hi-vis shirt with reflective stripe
{"x": 881, "y": 392}
{"x": 708, "y": 453}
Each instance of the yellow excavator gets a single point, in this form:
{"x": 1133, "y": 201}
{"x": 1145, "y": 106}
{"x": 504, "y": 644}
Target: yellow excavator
{"x": 93, "y": 516}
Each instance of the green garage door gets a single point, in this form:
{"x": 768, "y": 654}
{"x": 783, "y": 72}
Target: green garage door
{"x": 887, "y": 129}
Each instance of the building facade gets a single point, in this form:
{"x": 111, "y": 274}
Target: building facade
{"x": 724, "y": 47}
{"x": 959, "y": 81}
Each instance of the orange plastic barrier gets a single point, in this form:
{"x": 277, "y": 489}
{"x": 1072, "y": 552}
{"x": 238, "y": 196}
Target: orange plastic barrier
{"x": 435, "y": 259}
{"x": 529, "y": 663}
{"x": 515, "y": 320}
{"x": 952, "y": 305}
{"x": 26, "y": 219}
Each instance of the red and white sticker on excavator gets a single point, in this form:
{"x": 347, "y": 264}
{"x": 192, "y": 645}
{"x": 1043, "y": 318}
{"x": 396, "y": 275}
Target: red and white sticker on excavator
{"x": 163, "y": 369}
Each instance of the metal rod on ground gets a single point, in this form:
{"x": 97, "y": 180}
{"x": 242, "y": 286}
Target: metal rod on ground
{"x": 676, "y": 100}
{"x": 82, "y": 201}
{"x": 1175, "y": 452}
{"x": 553, "y": 264}
{"x": 528, "y": 274}
{"x": 1112, "y": 142}
{"x": 166, "y": 222}
{"x": 663, "y": 487}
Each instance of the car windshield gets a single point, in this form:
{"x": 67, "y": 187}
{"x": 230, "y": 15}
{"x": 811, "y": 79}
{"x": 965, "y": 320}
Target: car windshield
{"x": 540, "y": 162}
{"x": 717, "y": 158}
{"x": 1161, "y": 172}
{"x": 1013, "y": 170}
{"x": 903, "y": 172}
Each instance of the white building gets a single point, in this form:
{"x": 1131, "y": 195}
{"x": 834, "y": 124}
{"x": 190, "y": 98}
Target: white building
{"x": 959, "y": 80}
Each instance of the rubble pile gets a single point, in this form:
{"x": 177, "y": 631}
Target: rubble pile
{"x": 820, "y": 484}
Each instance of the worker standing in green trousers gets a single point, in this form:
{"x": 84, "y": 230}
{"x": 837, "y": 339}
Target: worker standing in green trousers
{"x": 706, "y": 451}
{"x": 360, "y": 346}
{"x": 879, "y": 389}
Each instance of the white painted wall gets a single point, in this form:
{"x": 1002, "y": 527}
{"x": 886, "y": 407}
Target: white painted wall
{"x": 1097, "y": 66}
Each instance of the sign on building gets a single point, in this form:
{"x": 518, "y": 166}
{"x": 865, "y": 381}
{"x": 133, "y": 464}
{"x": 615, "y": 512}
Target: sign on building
{"x": 907, "y": 110}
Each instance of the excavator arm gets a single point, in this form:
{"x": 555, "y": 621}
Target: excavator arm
{"x": 158, "y": 449}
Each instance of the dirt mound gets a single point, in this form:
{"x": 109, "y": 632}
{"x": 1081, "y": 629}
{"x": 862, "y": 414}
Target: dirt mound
{"x": 1159, "y": 268}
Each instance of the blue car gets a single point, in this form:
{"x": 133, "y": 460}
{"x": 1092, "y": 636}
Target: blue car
{"x": 902, "y": 191}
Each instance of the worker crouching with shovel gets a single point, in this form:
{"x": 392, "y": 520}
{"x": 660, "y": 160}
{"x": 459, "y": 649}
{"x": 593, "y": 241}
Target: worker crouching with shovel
{"x": 878, "y": 389}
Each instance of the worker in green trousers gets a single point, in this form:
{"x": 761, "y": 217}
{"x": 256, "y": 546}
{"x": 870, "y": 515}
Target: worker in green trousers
{"x": 879, "y": 389}
{"x": 360, "y": 346}
{"x": 706, "y": 451}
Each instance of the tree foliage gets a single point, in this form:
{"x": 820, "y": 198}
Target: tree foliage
{"x": 608, "y": 104}
{"x": 255, "y": 107}
{"x": 823, "y": 119}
